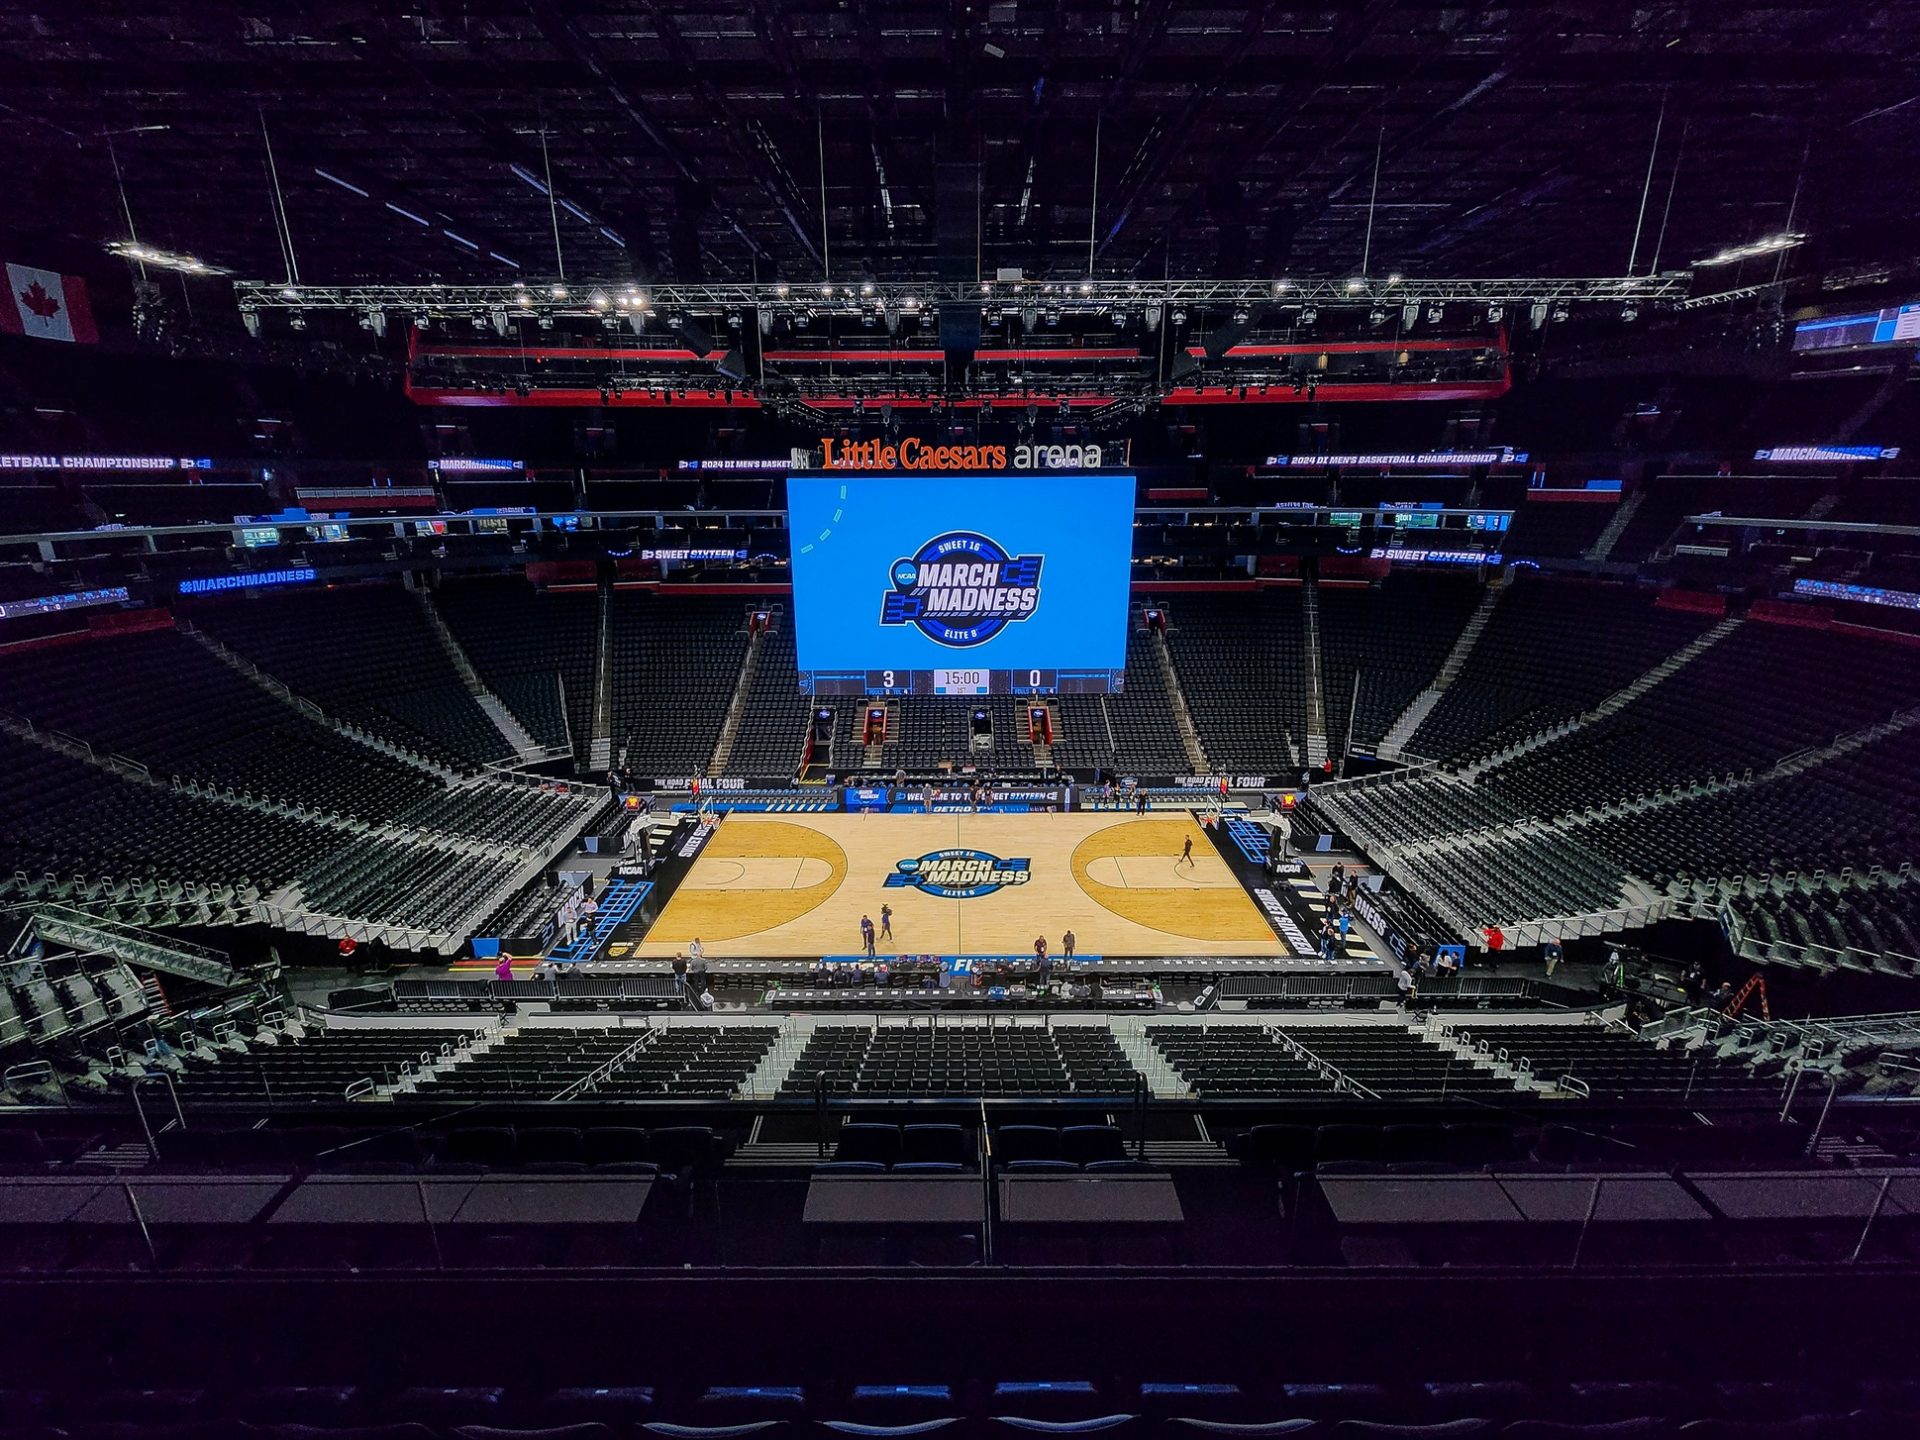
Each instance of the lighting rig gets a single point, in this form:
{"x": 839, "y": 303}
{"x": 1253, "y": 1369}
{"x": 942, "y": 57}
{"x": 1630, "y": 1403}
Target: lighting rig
{"x": 922, "y": 302}
{"x": 990, "y": 344}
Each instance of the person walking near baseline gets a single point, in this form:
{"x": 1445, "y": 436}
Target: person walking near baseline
{"x": 886, "y": 922}
{"x": 1186, "y": 852}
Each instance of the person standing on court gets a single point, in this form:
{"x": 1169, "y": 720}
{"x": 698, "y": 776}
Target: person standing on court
{"x": 1040, "y": 949}
{"x": 696, "y": 952}
{"x": 586, "y": 911}
{"x": 886, "y": 922}
{"x": 1186, "y": 851}
{"x": 866, "y": 935}
{"x": 1066, "y": 946}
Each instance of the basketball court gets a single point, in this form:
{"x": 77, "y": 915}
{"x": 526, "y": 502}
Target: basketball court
{"x": 779, "y": 887}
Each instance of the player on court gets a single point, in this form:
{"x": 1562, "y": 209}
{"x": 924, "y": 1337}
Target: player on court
{"x": 866, "y": 935}
{"x": 1186, "y": 851}
{"x": 886, "y": 922}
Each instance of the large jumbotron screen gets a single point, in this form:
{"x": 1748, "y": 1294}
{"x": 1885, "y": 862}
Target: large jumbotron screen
{"x": 960, "y": 585}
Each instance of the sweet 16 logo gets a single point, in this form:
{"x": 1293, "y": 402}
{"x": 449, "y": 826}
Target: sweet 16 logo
{"x": 962, "y": 589}
{"x": 958, "y": 874}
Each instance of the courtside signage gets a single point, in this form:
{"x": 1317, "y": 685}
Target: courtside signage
{"x": 1282, "y": 922}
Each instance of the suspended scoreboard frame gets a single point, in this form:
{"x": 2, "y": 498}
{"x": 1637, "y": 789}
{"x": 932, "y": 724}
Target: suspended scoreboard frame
{"x": 959, "y": 680}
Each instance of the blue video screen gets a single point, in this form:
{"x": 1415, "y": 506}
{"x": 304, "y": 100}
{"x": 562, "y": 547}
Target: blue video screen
{"x": 961, "y": 585}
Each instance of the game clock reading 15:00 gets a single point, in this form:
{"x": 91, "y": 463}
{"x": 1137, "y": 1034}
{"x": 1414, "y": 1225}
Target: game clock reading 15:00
{"x": 960, "y": 584}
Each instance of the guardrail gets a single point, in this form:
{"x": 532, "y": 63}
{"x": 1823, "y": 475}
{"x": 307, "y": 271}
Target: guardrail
{"x": 1326, "y": 1069}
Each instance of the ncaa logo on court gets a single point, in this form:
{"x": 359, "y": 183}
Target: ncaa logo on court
{"x": 962, "y": 589}
{"x": 958, "y": 874}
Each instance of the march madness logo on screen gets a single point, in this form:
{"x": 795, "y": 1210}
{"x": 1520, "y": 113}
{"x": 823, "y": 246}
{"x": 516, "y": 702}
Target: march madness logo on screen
{"x": 962, "y": 589}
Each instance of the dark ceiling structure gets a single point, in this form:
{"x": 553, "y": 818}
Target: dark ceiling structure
{"x": 755, "y": 140}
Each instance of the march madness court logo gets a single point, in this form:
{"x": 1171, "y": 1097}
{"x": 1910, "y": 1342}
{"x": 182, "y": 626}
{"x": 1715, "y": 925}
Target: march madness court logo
{"x": 962, "y": 589}
{"x": 959, "y": 874}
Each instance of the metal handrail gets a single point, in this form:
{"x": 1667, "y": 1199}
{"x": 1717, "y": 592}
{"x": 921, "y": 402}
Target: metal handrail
{"x": 140, "y": 1108}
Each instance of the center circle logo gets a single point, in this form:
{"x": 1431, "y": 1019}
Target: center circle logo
{"x": 962, "y": 588}
{"x": 958, "y": 874}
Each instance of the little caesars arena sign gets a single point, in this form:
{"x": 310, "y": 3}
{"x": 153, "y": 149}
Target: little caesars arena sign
{"x": 912, "y": 454}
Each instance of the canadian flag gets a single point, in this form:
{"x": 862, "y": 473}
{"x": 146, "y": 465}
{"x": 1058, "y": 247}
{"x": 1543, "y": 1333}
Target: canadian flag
{"x": 47, "y": 305}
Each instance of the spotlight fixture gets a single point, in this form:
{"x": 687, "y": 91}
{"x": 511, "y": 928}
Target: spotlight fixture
{"x": 522, "y": 299}
{"x": 1560, "y": 311}
{"x": 1376, "y": 316}
{"x": 163, "y": 259}
{"x": 1434, "y": 312}
{"x": 1309, "y": 315}
{"x": 1629, "y": 312}
{"x": 1356, "y": 285}
{"x": 1239, "y": 317}
{"x": 1280, "y": 287}
{"x": 1768, "y": 245}
{"x": 287, "y": 292}
{"x": 1178, "y": 317}
{"x": 598, "y": 299}
{"x": 299, "y": 321}
{"x": 558, "y": 292}
{"x": 1496, "y": 313}
{"x": 1394, "y": 278}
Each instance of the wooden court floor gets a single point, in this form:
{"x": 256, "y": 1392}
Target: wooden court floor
{"x": 778, "y": 887}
